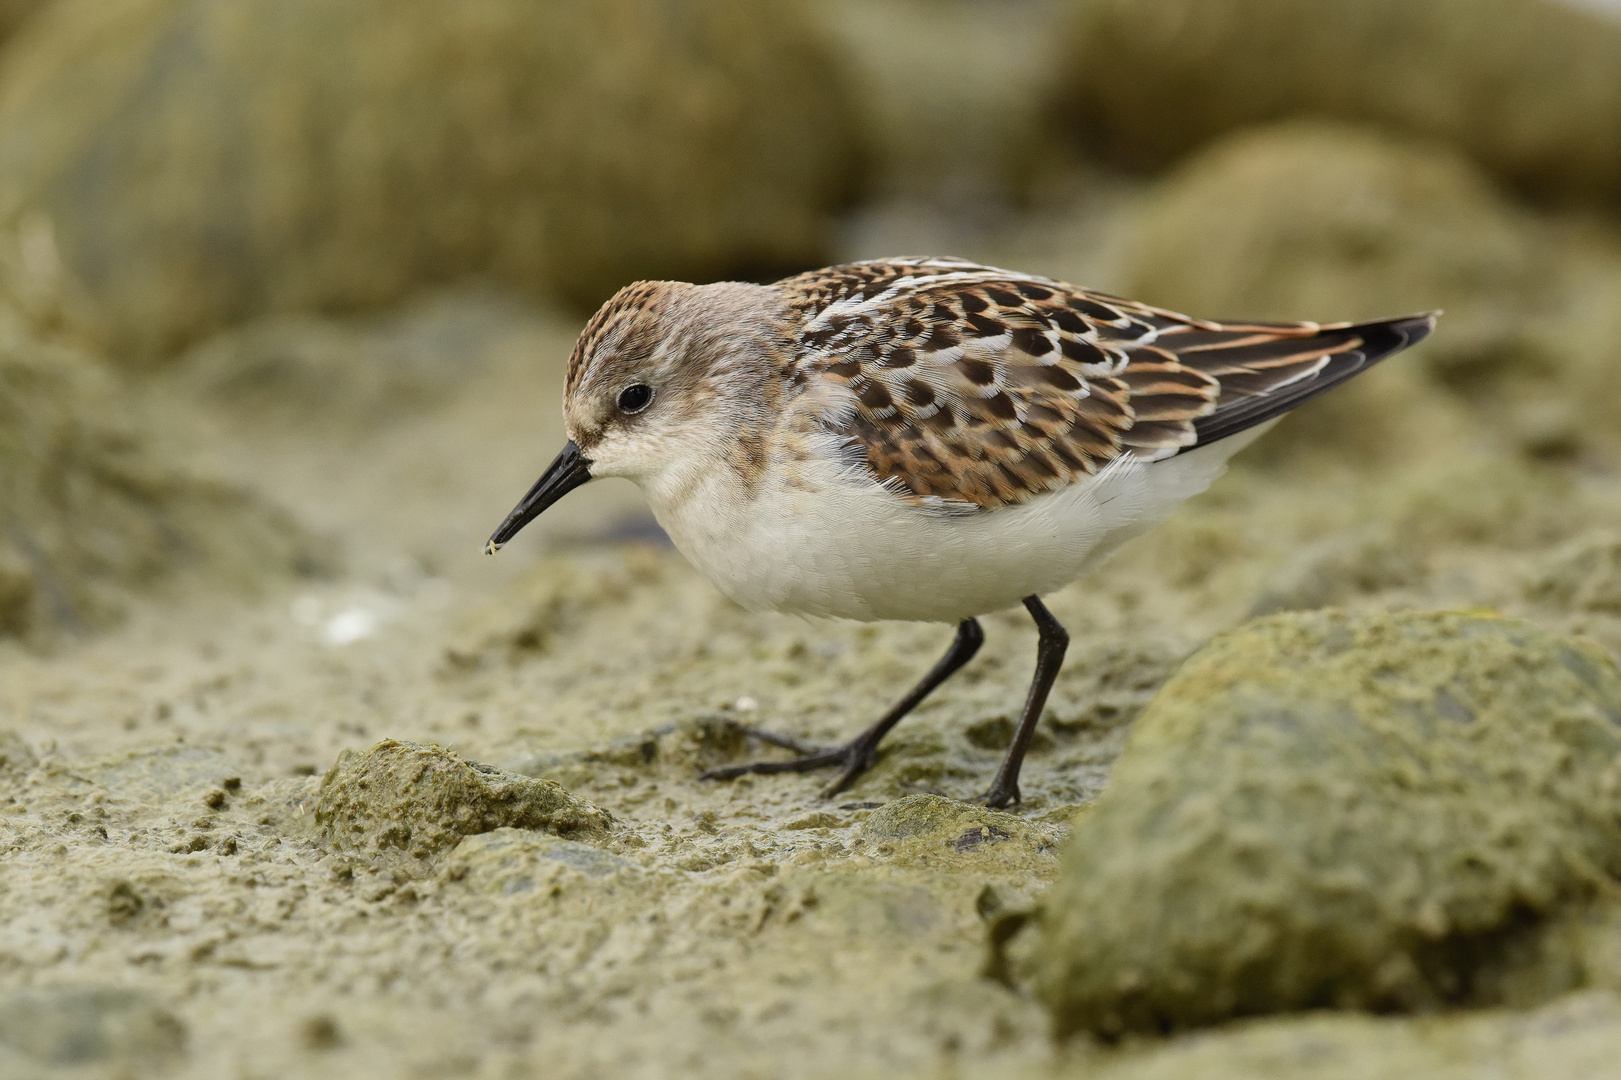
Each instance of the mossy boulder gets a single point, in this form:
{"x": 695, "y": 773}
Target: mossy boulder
{"x": 171, "y": 167}
{"x": 1526, "y": 87}
{"x": 1324, "y": 221}
{"x": 1330, "y": 221}
{"x": 92, "y": 508}
{"x": 402, "y": 805}
{"x": 1334, "y": 810}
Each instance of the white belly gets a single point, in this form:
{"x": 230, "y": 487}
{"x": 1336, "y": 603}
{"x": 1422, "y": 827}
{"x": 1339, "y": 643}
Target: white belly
{"x": 849, "y": 549}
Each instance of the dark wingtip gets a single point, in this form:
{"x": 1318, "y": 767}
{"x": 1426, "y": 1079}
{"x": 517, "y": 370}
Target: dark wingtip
{"x": 1388, "y": 336}
{"x": 1417, "y": 327}
{"x": 1379, "y": 339}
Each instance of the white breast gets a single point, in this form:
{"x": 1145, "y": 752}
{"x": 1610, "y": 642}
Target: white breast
{"x": 816, "y": 539}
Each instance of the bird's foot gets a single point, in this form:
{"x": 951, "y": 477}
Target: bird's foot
{"x": 854, "y": 757}
{"x": 1000, "y": 795}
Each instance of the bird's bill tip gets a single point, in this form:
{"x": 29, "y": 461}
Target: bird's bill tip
{"x": 567, "y": 471}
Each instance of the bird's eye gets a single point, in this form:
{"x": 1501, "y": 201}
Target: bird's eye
{"x": 633, "y": 399}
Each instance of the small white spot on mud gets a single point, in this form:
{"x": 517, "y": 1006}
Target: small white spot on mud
{"x": 349, "y": 625}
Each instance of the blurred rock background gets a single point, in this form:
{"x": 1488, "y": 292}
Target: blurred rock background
{"x": 286, "y": 292}
{"x": 216, "y": 198}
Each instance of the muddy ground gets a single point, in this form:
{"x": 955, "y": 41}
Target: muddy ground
{"x": 169, "y": 906}
{"x": 176, "y": 901}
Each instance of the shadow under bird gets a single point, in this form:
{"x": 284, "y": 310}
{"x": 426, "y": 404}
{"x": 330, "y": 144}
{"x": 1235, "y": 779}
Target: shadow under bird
{"x": 921, "y": 438}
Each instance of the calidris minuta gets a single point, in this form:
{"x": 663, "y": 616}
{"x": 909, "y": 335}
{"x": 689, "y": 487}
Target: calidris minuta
{"x": 923, "y": 439}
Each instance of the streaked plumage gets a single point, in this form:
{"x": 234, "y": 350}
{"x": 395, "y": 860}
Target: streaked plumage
{"x": 972, "y": 384}
{"x": 922, "y": 439}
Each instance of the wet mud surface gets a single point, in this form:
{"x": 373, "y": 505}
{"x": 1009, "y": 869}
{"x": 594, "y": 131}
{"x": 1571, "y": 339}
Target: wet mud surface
{"x": 176, "y": 898}
{"x": 295, "y": 781}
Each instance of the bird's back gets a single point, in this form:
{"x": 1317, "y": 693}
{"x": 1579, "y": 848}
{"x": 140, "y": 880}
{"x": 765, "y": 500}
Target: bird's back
{"x": 957, "y": 437}
{"x": 987, "y": 387}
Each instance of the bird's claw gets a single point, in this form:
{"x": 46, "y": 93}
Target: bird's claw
{"x": 856, "y": 756}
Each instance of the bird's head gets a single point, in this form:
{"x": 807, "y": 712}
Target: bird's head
{"x": 664, "y": 381}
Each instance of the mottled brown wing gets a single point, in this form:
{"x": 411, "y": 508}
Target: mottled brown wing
{"x": 977, "y": 387}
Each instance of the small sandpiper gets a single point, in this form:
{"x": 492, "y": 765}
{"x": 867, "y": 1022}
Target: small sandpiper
{"x": 921, "y": 438}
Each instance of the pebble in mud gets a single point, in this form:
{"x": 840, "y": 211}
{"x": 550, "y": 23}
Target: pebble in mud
{"x": 1332, "y": 809}
{"x": 401, "y": 805}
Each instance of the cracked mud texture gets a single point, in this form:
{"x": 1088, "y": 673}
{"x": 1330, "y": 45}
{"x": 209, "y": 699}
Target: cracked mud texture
{"x": 1325, "y": 810}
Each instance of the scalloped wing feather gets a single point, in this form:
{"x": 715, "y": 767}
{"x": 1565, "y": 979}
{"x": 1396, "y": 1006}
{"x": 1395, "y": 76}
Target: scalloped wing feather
{"x": 966, "y": 386}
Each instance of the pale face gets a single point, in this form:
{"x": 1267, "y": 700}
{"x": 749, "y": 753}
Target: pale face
{"x": 665, "y": 381}
{"x": 633, "y": 403}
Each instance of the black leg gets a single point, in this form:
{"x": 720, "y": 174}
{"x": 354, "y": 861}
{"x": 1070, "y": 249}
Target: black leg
{"x": 857, "y": 755}
{"x": 1049, "y": 657}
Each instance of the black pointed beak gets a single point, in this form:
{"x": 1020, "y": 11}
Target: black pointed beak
{"x": 568, "y": 471}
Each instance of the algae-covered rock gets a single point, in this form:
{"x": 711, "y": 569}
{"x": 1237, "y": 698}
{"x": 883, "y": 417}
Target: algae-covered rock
{"x": 403, "y": 805}
{"x": 1327, "y": 222}
{"x": 89, "y": 509}
{"x": 170, "y": 167}
{"x": 926, "y": 815}
{"x": 1527, "y": 87}
{"x": 1572, "y": 1037}
{"x": 1326, "y": 809}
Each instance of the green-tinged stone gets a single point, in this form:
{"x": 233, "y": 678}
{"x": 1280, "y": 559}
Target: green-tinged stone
{"x": 1331, "y": 809}
{"x": 401, "y": 805}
